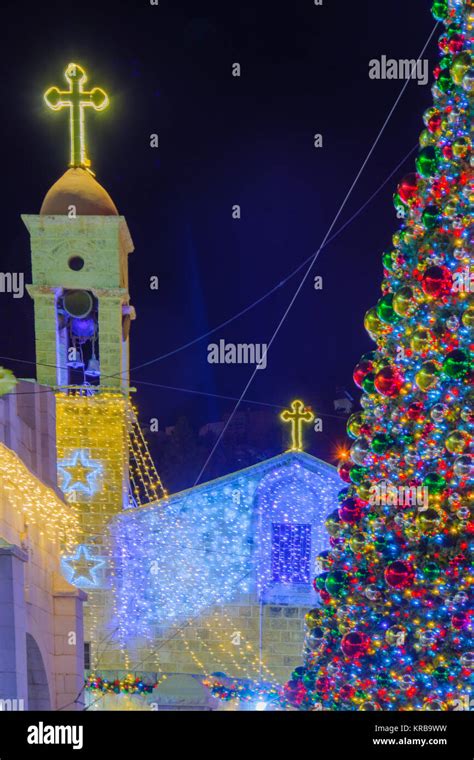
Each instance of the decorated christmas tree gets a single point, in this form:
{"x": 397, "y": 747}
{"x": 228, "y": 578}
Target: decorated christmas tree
{"x": 395, "y": 628}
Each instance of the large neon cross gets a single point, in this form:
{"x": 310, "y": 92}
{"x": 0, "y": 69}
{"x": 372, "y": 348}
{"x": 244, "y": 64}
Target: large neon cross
{"x": 76, "y": 99}
{"x": 299, "y": 415}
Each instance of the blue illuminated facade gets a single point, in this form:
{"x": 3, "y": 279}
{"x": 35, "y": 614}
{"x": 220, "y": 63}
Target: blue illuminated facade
{"x": 257, "y": 531}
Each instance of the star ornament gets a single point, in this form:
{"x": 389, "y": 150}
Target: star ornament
{"x": 79, "y": 473}
{"x": 82, "y": 568}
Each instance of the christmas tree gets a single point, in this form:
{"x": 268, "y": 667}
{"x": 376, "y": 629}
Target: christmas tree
{"x": 395, "y": 629}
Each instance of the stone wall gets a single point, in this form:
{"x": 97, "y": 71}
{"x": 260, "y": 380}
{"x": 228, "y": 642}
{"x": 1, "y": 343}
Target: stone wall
{"x": 227, "y": 639}
{"x": 41, "y": 635}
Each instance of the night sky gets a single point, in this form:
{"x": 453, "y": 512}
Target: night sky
{"x": 223, "y": 141}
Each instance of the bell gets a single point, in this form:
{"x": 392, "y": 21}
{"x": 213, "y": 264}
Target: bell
{"x": 75, "y": 359}
{"x": 93, "y": 367}
{"x": 78, "y": 303}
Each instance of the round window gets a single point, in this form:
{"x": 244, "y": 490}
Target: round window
{"x": 76, "y": 263}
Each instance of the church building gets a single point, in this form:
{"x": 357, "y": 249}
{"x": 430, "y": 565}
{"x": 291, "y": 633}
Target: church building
{"x": 217, "y": 578}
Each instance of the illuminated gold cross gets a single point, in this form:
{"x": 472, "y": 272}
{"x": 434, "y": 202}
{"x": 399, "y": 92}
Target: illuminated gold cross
{"x": 76, "y": 99}
{"x": 297, "y": 417}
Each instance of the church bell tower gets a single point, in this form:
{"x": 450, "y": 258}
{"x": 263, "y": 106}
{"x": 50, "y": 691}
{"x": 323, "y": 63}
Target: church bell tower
{"x": 80, "y": 246}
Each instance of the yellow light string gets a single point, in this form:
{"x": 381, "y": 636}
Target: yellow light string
{"x": 250, "y": 652}
{"x": 94, "y": 421}
{"x": 144, "y": 472}
{"x": 38, "y": 504}
{"x": 230, "y": 653}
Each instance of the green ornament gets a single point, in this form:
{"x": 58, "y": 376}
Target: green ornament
{"x": 368, "y": 383}
{"x": 384, "y": 679}
{"x": 380, "y": 443}
{"x": 372, "y": 323}
{"x": 426, "y": 138}
{"x": 456, "y": 364}
{"x": 445, "y": 84}
{"x": 337, "y": 583}
{"x": 320, "y": 581}
{"x": 354, "y": 424}
{"x": 431, "y": 571}
{"x": 461, "y": 65}
{"x": 385, "y": 310}
{"x": 454, "y": 30}
{"x": 441, "y": 673}
{"x": 427, "y": 161}
{"x": 387, "y": 261}
{"x": 357, "y": 473}
{"x": 440, "y": 9}
{"x": 445, "y": 62}
{"x": 398, "y": 203}
{"x": 404, "y": 303}
{"x": 309, "y": 679}
{"x": 332, "y": 523}
{"x": 434, "y": 482}
{"x": 430, "y": 217}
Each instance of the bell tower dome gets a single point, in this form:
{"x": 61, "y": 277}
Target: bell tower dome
{"x": 79, "y": 249}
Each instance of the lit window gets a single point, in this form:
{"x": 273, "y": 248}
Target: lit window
{"x": 291, "y": 552}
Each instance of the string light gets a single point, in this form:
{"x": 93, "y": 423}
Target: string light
{"x": 38, "y": 504}
{"x": 216, "y": 538}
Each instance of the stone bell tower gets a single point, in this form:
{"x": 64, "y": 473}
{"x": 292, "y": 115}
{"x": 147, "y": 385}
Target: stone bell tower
{"x": 80, "y": 247}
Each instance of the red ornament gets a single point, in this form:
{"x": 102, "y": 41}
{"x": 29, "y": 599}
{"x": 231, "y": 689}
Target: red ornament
{"x": 346, "y": 692}
{"x": 354, "y": 644}
{"x": 456, "y": 43}
{"x": 399, "y": 574}
{"x": 388, "y": 381}
{"x": 460, "y": 620}
{"x": 434, "y": 124}
{"x": 323, "y": 684}
{"x": 415, "y": 410}
{"x": 443, "y": 43}
{"x": 344, "y": 470}
{"x": 408, "y": 188}
{"x": 350, "y": 510}
{"x": 437, "y": 281}
{"x": 361, "y": 371}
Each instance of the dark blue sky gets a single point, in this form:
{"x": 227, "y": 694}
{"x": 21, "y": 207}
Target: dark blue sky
{"x": 223, "y": 141}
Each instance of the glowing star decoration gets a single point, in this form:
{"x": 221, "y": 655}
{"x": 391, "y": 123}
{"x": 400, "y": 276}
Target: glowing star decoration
{"x": 81, "y": 568}
{"x": 76, "y": 99}
{"x": 79, "y": 473}
{"x": 298, "y": 415}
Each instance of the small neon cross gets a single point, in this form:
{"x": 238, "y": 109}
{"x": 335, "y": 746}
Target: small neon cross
{"x": 76, "y": 99}
{"x": 297, "y": 417}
